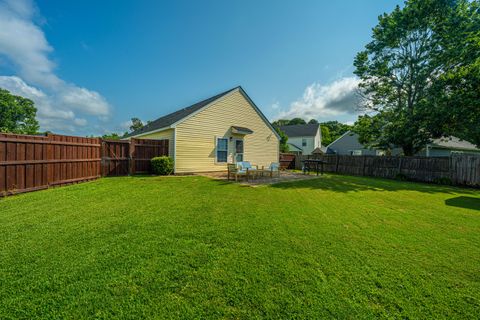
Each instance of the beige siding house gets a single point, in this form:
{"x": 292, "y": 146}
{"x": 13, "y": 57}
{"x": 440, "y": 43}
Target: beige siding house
{"x": 223, "y": 129}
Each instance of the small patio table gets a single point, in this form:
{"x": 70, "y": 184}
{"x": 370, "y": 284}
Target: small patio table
{"x": 310, "y": 164}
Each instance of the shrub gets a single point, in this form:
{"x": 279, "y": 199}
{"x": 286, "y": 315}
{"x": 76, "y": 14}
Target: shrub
{"x": 401, "y": 177}
{"x": 443, "y": 180}
{"x": 162, "y": 165}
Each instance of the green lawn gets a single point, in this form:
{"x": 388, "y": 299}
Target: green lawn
{"x": 191, "y": 247}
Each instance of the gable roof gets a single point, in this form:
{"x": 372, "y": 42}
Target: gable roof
{"x": 300, "y": 130}
{"x": 173, "y": 118}
{"x": 453, "y": 143}
{"x": 294, "y": 147}
{"x": 349, "y": 133}
{"x": 176, "y": 116}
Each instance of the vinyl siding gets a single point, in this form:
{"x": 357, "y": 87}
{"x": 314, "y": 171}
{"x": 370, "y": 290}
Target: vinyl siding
{"x": 348, "y": 143}
{"x": 196, "y": 136}
{"x": 165, "y": 134}
{"x": 312, "y": 143}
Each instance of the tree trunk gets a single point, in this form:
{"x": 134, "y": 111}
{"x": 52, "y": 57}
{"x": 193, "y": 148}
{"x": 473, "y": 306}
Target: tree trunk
{"x": 408, "y": 150}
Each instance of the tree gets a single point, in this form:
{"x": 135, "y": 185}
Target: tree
{"x": 17, "y": 114}
{"x": 280, "y": 122}
{"x": 313, "y": 121}
{"x": 326, "y": 137}
{"x": 286, "y": 122}
{"x": 456, "y": 92}
{"x": 402, "y": 68}
{"x": 396, "y": 69}
{"x": 296, "y": 121}
{"x": 112, "y": 136}
{"x": 335, "y": 130}
{"x": 136, "y": 124}
{"x": 283, "y": 140}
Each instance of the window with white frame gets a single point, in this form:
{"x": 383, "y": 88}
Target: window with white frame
{"x": 304, "y": 142}
{"x": 222, "y": 149}
{"x": 356, "y": 152}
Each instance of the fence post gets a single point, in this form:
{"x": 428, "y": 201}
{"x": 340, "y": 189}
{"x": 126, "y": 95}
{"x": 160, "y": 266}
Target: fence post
{"x": 336, "y": 164}
{"x": 400, "y": 165}
{"x": 363, "y": 169}
{"x": 131, "y": 151}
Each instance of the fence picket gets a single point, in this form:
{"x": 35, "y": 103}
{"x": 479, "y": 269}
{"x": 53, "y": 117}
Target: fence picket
{"x": 459, "y": 169}
{"x": 30, "y": 163}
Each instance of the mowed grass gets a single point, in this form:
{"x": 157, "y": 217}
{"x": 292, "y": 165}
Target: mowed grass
{"x": 191, "y": 247}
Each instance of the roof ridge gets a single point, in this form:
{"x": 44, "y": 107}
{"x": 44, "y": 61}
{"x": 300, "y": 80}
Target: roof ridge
{"x": 175, "y": 116}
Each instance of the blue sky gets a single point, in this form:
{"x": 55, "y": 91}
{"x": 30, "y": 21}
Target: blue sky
{"x": 92, "y": 65}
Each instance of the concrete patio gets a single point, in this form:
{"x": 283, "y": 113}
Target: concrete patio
{"x": 285, "y": 176}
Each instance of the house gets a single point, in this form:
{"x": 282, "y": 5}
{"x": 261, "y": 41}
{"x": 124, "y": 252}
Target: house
{"x": 303, "y": 138}
{"x": 207, "y": 135}
{"x": 348, "y": 144}
{"x": 448, "y": 146}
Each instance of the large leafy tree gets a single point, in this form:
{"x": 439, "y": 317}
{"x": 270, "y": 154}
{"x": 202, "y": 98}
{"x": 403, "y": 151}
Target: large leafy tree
{"x": 456, "y": 92}
{"x": 17, "y": 114}
{"x": 335, "y": 130}
{"x": 400, "y": 71}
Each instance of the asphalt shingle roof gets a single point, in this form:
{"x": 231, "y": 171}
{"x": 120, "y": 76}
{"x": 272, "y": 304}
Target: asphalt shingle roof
{"x": 173, "y": 117}
{"x": 453, "y": 143}
{"x": 300, "y": 130}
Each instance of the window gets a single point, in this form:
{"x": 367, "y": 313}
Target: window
{"x": 304, "y": 142}
{"x": 356, "y": 152}
{"x": 238, "y": 150}
{"x": 222, "y": 149}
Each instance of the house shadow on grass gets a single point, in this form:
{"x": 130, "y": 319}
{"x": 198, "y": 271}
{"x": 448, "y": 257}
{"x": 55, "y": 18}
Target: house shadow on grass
{"x": 464, "y": 202}
{"x": 344, "y": 183}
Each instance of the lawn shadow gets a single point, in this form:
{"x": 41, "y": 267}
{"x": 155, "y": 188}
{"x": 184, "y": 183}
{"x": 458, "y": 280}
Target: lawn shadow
{"x": 464, "y": 202}
{"x": 344, "y": 183}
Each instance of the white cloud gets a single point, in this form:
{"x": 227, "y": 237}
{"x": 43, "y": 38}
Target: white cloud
{"x": 275, "y": 105}
{"x": 86, "y": 101}
{"x": 23, "y": 43}
{"x": 80, "y": 122}
{"x": 323, "y": 101}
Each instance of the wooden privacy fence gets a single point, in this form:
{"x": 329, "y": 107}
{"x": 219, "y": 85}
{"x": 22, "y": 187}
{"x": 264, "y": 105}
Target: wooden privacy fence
{"x": 287, "y": 161}
{"x": 121, "y": 157}
{"x": 29, "y": 163}
{"x": 459, "y": 170}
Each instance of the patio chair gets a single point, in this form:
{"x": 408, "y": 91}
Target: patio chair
{"x": 236, "y": 171}
{"x": 273, "y": 168}
{"x": 242, "y": 168}
{"x": 251, "y": 169}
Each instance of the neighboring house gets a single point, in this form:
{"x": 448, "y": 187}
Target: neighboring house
{"x": 294, "y": 149}
{"x": 447, "y": 146}
{"x": 223, "y": 129}
{"x": 303, "y": 138}
{"x": 348, "y": 144}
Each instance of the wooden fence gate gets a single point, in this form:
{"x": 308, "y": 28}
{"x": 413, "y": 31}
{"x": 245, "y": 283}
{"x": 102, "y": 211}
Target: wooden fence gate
{"x": 30, "y": 163}
{"x": 115, "y": 158}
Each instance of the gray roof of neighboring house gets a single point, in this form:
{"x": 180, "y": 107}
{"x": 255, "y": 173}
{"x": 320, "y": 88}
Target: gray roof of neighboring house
{"x": 173, "y": 117}
{"x": 320, "y": 150}
{"x": 453, "y": 143}
{"x": 294, "y": 147}
{"x": 300, "y": 130}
